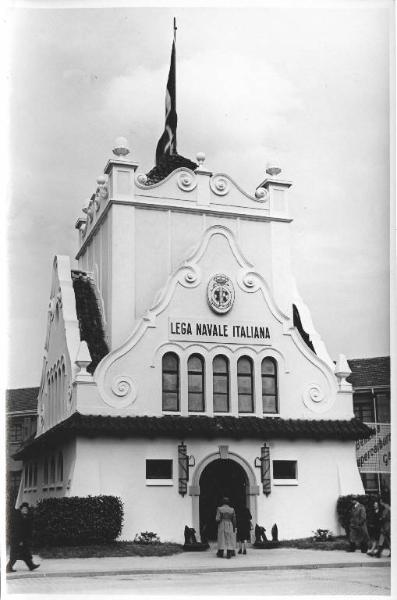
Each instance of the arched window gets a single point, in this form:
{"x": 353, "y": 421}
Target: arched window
{"x": 52, "y": 470}
{"x": 170, "y": 373}
{"x": 60, "y": 467}
{"x": 220, "y": 374}
{"x": 45, "y": 471}
{"x": 195, "y": 373}
{"x": 245, "y": 385}
{"x": 269, "y": 385}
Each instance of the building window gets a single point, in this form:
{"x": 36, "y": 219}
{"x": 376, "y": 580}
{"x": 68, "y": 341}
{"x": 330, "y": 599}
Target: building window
{"x": 364, "y": 408}
{"x": 195, "y": 372}
{"x": 285, "y": 471}
{"x": 16, "y": 433}
{"x": 245, "y": 385}
{"x": 269, "y": 385}
{"x": 60, "y": 467}
{"x": 45, "y": 471}
{"x": 382, "y": 402}
{"x": 170, "y": 371}
{"x": 15, "y": 480}
{"x": 220, "y": 370}
{"x": 370, "y": 482}
{"x": 159, "y": 472}
{"x": 52, "y": 470}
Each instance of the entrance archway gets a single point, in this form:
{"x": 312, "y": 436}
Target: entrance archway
{"x": 221, "y": 477}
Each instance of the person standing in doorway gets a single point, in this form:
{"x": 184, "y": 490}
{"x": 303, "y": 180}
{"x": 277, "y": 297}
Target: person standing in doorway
{"x": 21, "y": 538}
{"x": 244, "y": 527}
{"x": 358, "y": 533}
{"x": 226, "y": 519}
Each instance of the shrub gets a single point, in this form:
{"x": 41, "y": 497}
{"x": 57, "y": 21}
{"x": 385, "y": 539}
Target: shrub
{"x": 344, "y": 505}
{"x": 77, "y": 521}
{"x": 147, "y": 537}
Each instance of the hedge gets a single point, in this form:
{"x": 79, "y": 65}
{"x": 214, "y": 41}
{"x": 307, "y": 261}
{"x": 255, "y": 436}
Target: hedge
{"x": 77, "y": 521}
{"x": 344, "y": 505}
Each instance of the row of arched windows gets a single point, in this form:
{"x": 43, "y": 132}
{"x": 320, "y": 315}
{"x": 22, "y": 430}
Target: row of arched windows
{"x": 221, "y": 384}
{"x": 56, "y": 381}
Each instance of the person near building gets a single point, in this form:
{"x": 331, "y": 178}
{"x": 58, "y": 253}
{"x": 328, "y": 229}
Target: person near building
{"x": 358, "y": 532}
{"x": 226, "y": 519}
{"x": 384, "y": 538}
{"x": 21, "y": 538}
{"x": 244, "y": 527}
{"x": 374, "y": 528}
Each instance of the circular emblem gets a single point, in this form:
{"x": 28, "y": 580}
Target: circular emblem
{"x": 220, "y": 293}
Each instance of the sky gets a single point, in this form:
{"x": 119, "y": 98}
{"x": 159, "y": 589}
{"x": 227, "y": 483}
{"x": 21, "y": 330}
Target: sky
{"x": 307, "y": 87}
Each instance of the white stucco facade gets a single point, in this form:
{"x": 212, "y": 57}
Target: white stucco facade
{"x": 151, "y": 253}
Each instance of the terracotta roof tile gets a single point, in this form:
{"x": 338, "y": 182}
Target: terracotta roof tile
{"x": 178, "y": 427}
{"x": 369, "y": 372}
{"x": 22, "y": 399}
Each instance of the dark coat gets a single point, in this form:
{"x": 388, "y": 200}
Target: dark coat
{"x": 243, "y": 524}
{"x": 358, "y": 532}
{"x": 21, "y": 528}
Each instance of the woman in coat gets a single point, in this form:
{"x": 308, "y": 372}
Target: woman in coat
{"x": 21, "y": 536}
{"x": 243, "y": 528}
{"x": 358, "y": 533}
{"x": 226, "y": 519}
{"x": 374, "y": 528}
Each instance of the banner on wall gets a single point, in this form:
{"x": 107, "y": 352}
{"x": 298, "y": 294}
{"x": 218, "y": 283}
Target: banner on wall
{"x": 373, "y": 454}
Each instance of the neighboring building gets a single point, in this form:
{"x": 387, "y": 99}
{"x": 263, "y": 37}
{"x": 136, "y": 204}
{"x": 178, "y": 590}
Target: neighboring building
{"x": 182, "y": 364}
{"x": 370, "y": 379}
{"x": 21, "y": 420}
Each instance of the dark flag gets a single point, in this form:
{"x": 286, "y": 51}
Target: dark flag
{"x": 167, "y": 142}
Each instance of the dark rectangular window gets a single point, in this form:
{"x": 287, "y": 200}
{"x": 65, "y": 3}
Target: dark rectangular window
{"x": 245, "y": 385}
{"x": 363, "y": 405}
{"x": 382, "y": 403}
{"x": 195, "y": 373}
{"x": 220, "y": 369}
{"x": 370, "y": 482}
{"x": 158, "y": 469}
{"x": 285, "y": 469}
{"x": 16, "y": 432}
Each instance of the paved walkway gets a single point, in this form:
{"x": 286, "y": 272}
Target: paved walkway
{"x": 196, "y": 562}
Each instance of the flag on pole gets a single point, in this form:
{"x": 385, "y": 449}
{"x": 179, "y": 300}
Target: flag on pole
{"x": 167, "y": 142}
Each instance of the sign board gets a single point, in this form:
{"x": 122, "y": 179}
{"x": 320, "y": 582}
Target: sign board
{"x": 214, "y": 330}
{"x": 373, "y": 454}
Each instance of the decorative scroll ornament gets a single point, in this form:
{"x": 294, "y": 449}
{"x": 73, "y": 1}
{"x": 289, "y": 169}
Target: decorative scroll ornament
{"x": 220, "y": 185}
{"x": 141, "y": 178}
{"x": 125, "y": 391}
{"x": 315, "y": 398}
{"x": 186, "y": 181}
{"x": 220, "y": 293}
{"x": 261, "y": 194}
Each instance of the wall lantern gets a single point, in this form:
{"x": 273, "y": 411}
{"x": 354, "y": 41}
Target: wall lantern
{"x": 263, "y": 463}
{"x": 184, "y": 462}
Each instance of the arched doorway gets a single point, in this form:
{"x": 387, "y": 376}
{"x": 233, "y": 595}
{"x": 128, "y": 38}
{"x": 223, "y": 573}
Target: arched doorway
{"x": 221, "y": 477}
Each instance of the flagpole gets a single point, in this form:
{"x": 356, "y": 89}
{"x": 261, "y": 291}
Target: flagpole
{"x": 175, "y": 28}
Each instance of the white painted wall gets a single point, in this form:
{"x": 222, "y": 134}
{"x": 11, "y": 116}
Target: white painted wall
{"x": 117, "y": 467}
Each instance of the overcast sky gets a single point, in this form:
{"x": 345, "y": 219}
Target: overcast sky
{"x": 306, "y": 86}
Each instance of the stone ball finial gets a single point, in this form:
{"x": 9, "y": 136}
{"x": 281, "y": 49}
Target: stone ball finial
{"x": 272, "y": 169}
{"x": 200, "y": 156}
{"x": 121, "y": 147}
